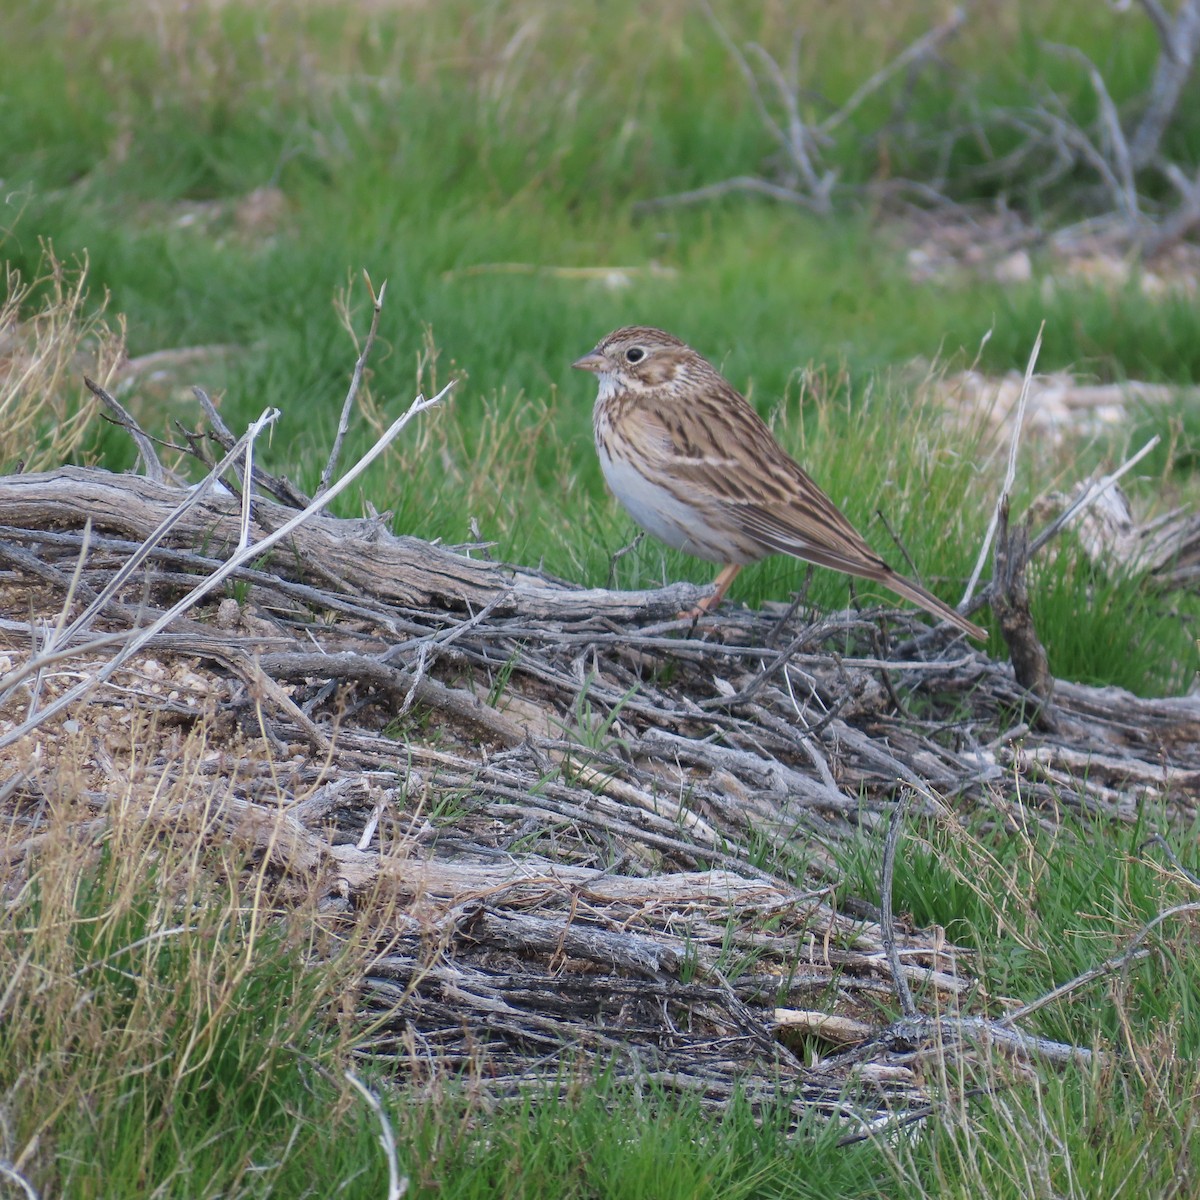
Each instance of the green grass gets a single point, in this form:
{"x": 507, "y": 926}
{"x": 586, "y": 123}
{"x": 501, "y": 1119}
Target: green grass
{"x": 1037, "y": 908}
{"x": 607, "y": 1143}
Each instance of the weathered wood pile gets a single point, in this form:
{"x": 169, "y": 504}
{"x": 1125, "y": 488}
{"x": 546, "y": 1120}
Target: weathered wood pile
{"x": 596, "y": 834}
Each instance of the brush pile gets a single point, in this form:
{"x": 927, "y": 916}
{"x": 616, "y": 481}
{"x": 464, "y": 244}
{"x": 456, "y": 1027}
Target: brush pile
{"x": 597, "y": 835}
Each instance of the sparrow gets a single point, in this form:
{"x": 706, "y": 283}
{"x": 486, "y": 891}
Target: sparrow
{"x": 695, "y": 466}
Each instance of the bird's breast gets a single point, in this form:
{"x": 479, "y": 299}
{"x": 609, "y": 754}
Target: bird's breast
{"x": 664, "y": 507}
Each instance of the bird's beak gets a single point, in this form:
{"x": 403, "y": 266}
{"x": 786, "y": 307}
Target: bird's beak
{"x": 592, "y": 361}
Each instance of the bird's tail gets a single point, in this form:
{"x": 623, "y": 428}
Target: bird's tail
{"x": 931, "y": 604}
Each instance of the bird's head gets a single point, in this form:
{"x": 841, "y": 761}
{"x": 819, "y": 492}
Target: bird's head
{"x": 637, "y": 359}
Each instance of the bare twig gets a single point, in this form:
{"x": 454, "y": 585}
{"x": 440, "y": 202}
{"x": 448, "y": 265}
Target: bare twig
{"x": 56, "y": 636}
{"x": 887, "y": 921}
{"x": 130, "y": 567}
{"x": 124, "y": 418}
{"x": 1161, "y": 842}
{"x": 1010, "y": 473}
{"x": 1118, "y": 152}
{"x": 1182, "y": 221}
{"x": 278, "y": 486}
{"x": 1118, "y": 962}
{"x": 9, "y": 1172}
{"x": 801, "y": 143}
{"x": 919, "y": 49}
{"x": 1180, "y": 42}
{"x": 244, "y": 555}
{"x": 731, "y": 47}
{"x": 223, "y": 432}
{"x": 1161, "y": 22}
{"x": 617, "y": 555}
{"x": 355, "y": 383}
{"x": 1009, "y": 598}
{"x": 387, "y": 1140}
{"x": 1090, "y": 496}
{"x": 742, "y": 183}
{"x": 806, "y": 182}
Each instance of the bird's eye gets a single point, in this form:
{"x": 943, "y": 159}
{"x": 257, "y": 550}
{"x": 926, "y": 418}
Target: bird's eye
{"x": 634, "y": 354}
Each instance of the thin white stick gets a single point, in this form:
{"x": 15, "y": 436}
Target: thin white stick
{"x": 8, "y": 1171}
{"x": 1011, "y": 473}
{"x": 247, "y": 494}
{"x": 396, "y": 1186}
{"x": 364, "y": 842}
{"x": 355, "y": 382}
{"x": 47, "y": 658}
{"x": 62, "y": 636}
{"x": 1114, "y": 963}
{"x": 51, "y": 640}
{"x": 85, "y": 544}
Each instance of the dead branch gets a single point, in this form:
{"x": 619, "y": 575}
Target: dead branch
{"x": 741, "y": 183}
{"x": 355, "y": 382}
{"x": 1089, "y": 496}
{"x": 804, "y": 145}
{"x": 1118, "y": 962}
{"x": 1123, "y": 157}
{"x": 608, "y": 896}
{"x": 1114, "y": 157}
{"x": 1179, "y": 44}
{"x": 1010, "y": 473}
{"x": 908, "y": 1007}
{"x": 149, "y": 456}
{"x": 10, "y": 1172}
{"x": 1009, "y": 598}
{"x": 1119, "y": 159}
{"x": 918, "y": 51}
{"x": 1183, "y": 221}
{"x": 397, "y": 1186}
{"x": 1165, "y": 550}
{"x": 1161, "y": 842}
{"x": 367, "y": 559}
{"x": 593, "y": 831}
{"x": 244, "y": 552}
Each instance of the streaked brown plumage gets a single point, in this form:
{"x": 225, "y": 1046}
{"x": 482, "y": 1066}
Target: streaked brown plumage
{"x": 696, "y": 466}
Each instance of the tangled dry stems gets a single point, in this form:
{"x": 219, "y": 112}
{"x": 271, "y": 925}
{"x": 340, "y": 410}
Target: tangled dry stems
{"x": 580, "y": 831}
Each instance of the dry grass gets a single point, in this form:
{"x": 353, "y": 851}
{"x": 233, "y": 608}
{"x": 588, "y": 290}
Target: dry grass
{"x": 51, "y": 334}
{"x": 172, "y": 986}
{"x": 141, "y": 948}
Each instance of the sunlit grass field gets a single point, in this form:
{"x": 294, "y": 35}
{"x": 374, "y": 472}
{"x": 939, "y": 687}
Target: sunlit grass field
{"x": 220, "y": 174}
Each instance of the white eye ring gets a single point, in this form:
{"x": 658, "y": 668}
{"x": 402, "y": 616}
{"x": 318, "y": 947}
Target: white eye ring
{"x": 634, "y": 354}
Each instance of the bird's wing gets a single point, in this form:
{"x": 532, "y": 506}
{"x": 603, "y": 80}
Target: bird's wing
{"x": 743, "y": 469}
{"x": 740, "y": 472}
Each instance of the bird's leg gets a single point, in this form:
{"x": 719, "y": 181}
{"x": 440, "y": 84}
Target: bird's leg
{"x": 723, "y": 580}
{"x": 709, "y": 603}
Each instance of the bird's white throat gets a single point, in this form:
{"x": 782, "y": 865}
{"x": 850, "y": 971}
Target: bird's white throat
{"x": 609, "y": 386}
